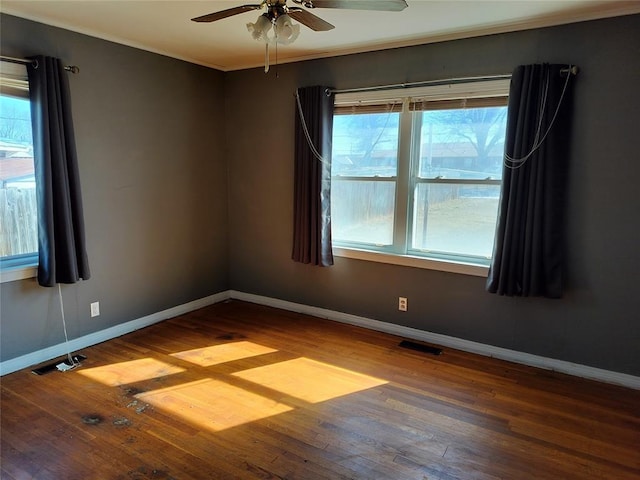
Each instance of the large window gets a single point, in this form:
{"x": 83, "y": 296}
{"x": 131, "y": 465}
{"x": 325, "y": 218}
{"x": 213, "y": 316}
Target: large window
{"x": 18, "y": 213}
{"x": 419, "y": 175}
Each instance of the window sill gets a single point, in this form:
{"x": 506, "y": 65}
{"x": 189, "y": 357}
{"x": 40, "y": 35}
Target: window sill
{"x": 12, "y": 274}
{"x": 413, "y": 261}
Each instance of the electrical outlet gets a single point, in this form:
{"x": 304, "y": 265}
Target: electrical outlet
{"x": 95, "y": 309}
{"x": 402, "y": 304}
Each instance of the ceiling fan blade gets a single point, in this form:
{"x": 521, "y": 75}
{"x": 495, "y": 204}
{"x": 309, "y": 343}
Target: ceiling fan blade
{"x": 310, "y": 20}
{"x": 212, "y": 17}
{"x": 383, "y": 5}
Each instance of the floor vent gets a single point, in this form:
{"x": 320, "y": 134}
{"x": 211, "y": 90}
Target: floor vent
{"x": 419, "y": 347}
{"x": 54, "y": 366}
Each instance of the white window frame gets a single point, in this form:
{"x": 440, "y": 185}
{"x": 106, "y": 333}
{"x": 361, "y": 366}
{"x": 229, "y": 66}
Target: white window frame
{"x": 14, "y": 82}
{"x": 400, "y": 254}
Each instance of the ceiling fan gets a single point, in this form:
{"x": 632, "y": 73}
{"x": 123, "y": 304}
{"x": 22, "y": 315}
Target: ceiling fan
{"x": 277, "y": 8}
{"x": 279, "y": 15}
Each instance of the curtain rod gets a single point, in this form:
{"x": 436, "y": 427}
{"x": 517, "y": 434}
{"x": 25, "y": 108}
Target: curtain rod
{"x": 419, "y": 84}
{"x": 572, "y": 69}
{"x": 25, "y": 61}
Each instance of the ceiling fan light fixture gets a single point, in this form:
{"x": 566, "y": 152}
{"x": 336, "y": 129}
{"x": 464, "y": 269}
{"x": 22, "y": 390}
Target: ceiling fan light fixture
{"x": 285, "y": 30}
{"x": 260, "y": 29}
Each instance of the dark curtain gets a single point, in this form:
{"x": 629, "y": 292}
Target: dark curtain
{"x": 61, "y": 238}
{"x": 312, "y": 177}
{"x": 528, "y": 250}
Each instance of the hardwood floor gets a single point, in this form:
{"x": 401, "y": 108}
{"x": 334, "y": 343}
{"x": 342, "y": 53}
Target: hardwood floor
{"x": 237, "y": 390}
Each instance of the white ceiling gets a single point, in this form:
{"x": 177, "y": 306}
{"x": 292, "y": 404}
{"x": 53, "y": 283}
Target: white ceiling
{"x": 165, "y": 27}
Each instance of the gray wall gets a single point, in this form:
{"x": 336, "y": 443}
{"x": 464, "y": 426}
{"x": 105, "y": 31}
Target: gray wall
{"x": 165, "y": 225}
{"x": 149, "y": 133}
{"x": 597, "y": 323}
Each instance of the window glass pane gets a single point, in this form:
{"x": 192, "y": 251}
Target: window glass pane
{"x": 18, "y": 214}
{"x": 362, "y": 211}
{"x": 455, "y": 219}
{"x": 462, "y": 143}
{"x": 365, "y": 145}
{"x": 429, "y": 156}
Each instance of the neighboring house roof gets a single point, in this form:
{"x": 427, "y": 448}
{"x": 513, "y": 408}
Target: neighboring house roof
{"x": 9, "y": 148}
{"x": 15, "y": 168}
{"x": 16, "y": 161}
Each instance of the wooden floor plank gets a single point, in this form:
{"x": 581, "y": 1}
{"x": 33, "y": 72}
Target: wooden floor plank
{"x": 237, "y": 391}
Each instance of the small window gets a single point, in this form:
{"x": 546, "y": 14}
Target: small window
{"x": 419, "y": 175}
{"x": 18, "y": 211}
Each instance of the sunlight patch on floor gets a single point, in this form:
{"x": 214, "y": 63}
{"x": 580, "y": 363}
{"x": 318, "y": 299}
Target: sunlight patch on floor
{"x": 233, "y": 399}
{"x": 129, "y": 372}
{"x": 226, "y": 352}
{"x": 213, "y": 404}
{"x": 309, "y": 380}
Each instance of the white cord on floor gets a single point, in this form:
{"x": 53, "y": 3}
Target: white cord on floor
{"x": 66, "y": 338}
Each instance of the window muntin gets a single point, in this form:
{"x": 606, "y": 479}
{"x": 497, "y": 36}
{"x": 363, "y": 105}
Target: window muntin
{"x": 447, "y": 176}
{"x": 18, "y": 211}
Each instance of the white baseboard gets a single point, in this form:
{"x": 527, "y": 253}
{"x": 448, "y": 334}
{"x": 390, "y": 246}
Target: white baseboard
{"x": 562, "y": 366}
{"x": 575, "y": 369}
{"x": 76, "y": 344}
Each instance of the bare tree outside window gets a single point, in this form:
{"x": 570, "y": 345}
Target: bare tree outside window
{"x": 438, "y": 162}
{"x": 465, "y": 145}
